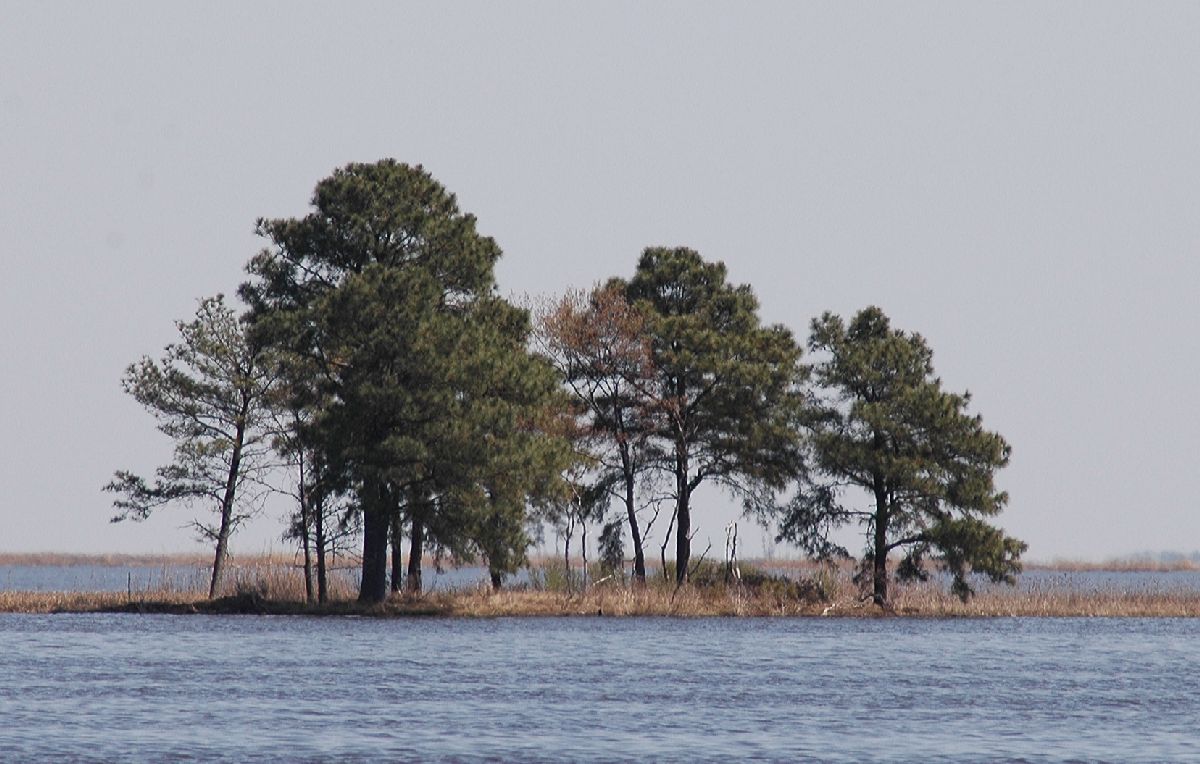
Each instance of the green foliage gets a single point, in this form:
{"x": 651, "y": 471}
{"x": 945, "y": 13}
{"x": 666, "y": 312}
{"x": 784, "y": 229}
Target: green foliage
{"x": 386, "y": 295}
{"x": 612, "y": 547}
{"x": 886, "y": 426}
{"x": 728, "y": 388}
{"x": 210, "y": 393}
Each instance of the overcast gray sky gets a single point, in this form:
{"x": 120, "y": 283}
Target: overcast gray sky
{"x": 1020, "y": 182}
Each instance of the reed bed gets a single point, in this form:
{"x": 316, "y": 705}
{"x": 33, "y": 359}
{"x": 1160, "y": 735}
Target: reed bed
{"x": 86, "y": 602}
{"x": 652, "y": 600}
{"x": 274, "y": 584}
{"x": 1051, "y": 601}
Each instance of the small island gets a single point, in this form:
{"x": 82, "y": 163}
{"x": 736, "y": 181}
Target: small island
{"x": 379, "y": 379}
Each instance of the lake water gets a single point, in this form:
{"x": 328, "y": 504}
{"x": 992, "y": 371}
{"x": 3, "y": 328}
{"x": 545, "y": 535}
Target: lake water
{"x": 238, "y": 688}
{"x": 142, "y": 578}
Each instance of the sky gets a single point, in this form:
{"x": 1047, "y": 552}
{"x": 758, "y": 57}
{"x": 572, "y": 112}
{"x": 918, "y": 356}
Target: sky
{"x": 1018, "y": 182}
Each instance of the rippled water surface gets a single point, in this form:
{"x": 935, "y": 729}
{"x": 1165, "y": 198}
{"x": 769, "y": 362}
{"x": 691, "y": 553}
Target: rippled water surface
{"x": 238, "y": 688}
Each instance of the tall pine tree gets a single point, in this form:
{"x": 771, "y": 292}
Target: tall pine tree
{"x": 728, "y": 387}
{"x": 387, "y": 290}
{"x": 886, "y": 426}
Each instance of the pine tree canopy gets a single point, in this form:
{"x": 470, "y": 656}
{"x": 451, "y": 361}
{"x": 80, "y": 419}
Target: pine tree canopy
{"x": 884, "y": 425}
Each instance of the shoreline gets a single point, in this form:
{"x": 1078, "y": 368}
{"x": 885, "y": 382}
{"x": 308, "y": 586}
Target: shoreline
{"x": 1132, "y": 564}
{"x": 273, "y": 585}
{"x": 689, "y": 602}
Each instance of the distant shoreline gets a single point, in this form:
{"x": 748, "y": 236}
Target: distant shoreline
{"x": 274, "y": 586}
{"x": 687, "y": 604}
{"x": 1121, "y": 564}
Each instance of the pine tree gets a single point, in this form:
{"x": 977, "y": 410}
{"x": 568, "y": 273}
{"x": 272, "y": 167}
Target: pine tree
{"x": 387, "y": 289}
{"x": 728, "y": 387}
{"x": 211, "y": 393}
{"x": 886, "y": 426}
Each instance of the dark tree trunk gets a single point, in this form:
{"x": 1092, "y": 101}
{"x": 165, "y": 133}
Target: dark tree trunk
{"x": 879, "y": 576}
{"x": 683, "y": 540}
{"x": 662, "y": 552}
{"x": 218, "y": 572}
{"x": 639, "y": 554}
{"x": 319, "y": 529}
{"x": 497, "y": 579}
{"x": 376, "y": 520}
{"x": 309, "y": 594}
{"x": 226, "y": 527}
{"x": 305, "y": 534}
{"x": 415, "y": 552}
{"x": 397, "y": 552}
{"x": 683, "y": 519}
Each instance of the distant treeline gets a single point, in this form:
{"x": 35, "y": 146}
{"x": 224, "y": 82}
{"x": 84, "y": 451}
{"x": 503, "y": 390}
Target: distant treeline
{"x": 379, "y": 379}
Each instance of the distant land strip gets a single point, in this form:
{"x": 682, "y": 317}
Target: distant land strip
{"x": 273, "y": 585}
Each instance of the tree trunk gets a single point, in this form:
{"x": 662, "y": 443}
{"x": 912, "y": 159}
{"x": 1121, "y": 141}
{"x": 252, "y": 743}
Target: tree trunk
{"x": 226, "y": 527}
{"x": 397, "y": 552}
{"x": 415, "y": 552}
{"x": 583, "y": 576}
{"x": 218, "y": 571}
{"x": 567, "y": 551}
{"x": 497, "y": 579}
{"x": 879, "y": 577}
{"x": 662, "y": 552}
{"x": 309, "y": 594}
{"x": 683, "y": 519}
{"x": 373, "y": 587}
{"x": 639, "y": 554}
{"x": 322, "y": 579}
{"x": 305, "y": 535}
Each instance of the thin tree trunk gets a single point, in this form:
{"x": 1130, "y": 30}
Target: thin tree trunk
{"x": 415, "y": 552}
{"x": 305, "y": 535}
{"x": 583, "y": 576}
{"x": 322, "y": 579}
{"x": 373, "y": 587}
{"x": 309, "y": 594}
{"x": 662, "y": 552}
{"x": 639, "y": 554}
{"x": 235, "y": 465}
{"x": 397, "y": 552}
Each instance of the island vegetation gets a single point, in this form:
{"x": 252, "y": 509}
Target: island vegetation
{"x": 1128, "y": 587}
{"x": 378, "y": 378}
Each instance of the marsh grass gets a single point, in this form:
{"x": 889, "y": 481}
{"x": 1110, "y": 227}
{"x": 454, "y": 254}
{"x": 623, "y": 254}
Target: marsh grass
{"x": 84, "y": 602}
{"x": 274, "y": 584}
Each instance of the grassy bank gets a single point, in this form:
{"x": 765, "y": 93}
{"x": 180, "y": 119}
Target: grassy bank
{"x": 686, "y": 602}
{"x": 275, "y": 586}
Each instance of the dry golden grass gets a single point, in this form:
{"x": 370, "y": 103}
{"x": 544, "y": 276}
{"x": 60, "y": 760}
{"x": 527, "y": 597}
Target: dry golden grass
{"x": 275, "y": 584}
{"x": 686, "y": 602}
{"x": 83, "y": 602}
{"x": 1059, "y": 601}
{"x": 653, "y": 600}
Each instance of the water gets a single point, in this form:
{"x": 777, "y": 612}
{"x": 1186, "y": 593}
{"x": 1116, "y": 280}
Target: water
{"x": 149, "y": 578}
{"x": 101, "y": 578}
{"x": 152, "y": 688}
